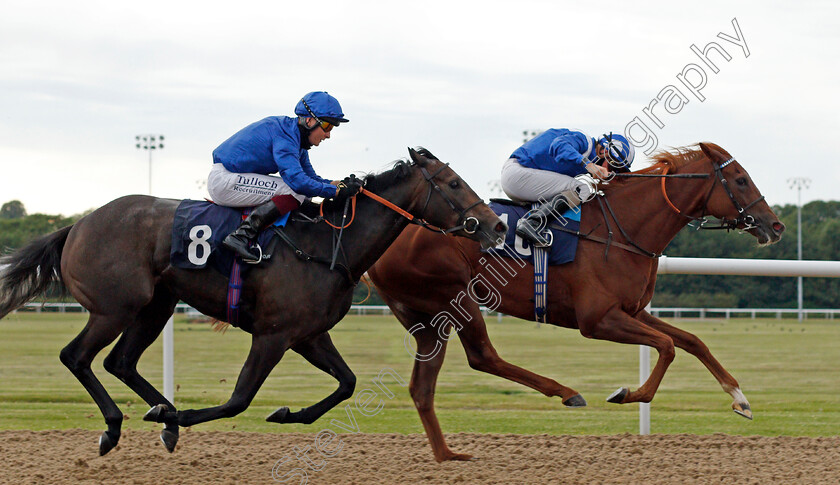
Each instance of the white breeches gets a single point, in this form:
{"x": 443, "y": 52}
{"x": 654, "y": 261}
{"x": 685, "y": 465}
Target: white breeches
{"x": 245, "y": 189}
{"x": 524, "y": 184}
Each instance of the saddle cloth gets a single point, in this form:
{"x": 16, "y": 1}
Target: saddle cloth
{"x": 561, "y": 251}
{"x": 197, "y": 233}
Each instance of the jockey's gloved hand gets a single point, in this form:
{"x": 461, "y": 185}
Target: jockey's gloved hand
{"x": 347, "y": 188}
{"x": 597, "y": 171}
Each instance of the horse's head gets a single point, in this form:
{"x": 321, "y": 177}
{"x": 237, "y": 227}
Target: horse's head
{"x": 735, "y": 198}
{"x": 445, "y": 200}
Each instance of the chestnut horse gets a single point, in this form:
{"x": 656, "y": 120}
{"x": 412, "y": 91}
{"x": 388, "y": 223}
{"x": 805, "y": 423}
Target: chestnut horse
{"x": 116, "y": 263}
{"x": 602, "y": 293}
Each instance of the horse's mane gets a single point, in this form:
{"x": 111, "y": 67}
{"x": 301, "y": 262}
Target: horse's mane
{"x": 667, "y": 160}
{"x": 375, "y": 182}
{"x": 677, "y": 157}
{"x": 401, "y": 169}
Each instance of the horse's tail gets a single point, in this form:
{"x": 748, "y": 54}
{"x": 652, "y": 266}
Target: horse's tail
{"x": 27, "y": 272}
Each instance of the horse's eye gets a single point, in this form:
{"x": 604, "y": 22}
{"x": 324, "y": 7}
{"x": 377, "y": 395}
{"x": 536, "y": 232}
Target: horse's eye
{"x": 454, "y": 184}
{"x": 742, "y": 181}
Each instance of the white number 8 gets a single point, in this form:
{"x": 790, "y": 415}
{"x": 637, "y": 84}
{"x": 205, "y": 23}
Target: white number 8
{"x": 192, "y": 250}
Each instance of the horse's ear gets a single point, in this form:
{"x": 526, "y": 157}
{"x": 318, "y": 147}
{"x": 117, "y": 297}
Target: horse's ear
{"x": 418, "y": 159}
{"x": 714, "y": 152}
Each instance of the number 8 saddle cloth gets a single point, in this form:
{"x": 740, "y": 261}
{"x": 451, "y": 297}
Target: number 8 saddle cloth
{"x": 197, "y": 233}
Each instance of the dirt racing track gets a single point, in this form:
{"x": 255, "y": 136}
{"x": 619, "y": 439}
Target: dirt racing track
{"x": 249, "y": 458}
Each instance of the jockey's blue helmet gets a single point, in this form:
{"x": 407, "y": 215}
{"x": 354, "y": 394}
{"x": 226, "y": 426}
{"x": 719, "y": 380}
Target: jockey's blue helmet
{"x": 319, "y": 104}
{"x": 621, "y": 152}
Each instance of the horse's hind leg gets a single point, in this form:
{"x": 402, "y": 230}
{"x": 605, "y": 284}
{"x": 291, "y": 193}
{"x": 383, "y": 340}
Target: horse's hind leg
{"x": 483, "y": 357}
{"x": 321, "y": 353}
{"x": 694, "y": 346}
{"x": 100, "y": 331}
{"x": 618, "y": 326}
{"x": 122, "y": 360}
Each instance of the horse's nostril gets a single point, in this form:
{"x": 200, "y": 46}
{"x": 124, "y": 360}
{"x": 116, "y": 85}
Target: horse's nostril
{"x": 778, "y": 227}
{"x": 501, "y": 228}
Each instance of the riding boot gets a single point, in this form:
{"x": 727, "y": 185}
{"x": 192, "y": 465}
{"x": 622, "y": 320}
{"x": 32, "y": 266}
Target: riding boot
{"x": 534, "y": 225}
{"x": 239, "y": 241}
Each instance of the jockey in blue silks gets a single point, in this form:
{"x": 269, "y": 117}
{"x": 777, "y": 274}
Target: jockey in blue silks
{"x": 545, "y": 169}
{"x": 244, "y": 163}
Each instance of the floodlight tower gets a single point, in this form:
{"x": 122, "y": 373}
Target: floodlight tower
{"x": 149, "y": 143}
{"x": 528, "y": 135}
{"x": 799, "y": 183}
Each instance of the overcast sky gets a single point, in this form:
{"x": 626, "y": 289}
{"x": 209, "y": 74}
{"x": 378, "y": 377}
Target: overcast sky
{"x": 78, "y": 81}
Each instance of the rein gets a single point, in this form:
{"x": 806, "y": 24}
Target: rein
{"x": 422, "y": 222}
{"x": 663, "y": 175}
{"x": 469, "y": 225}
{"x": 466, "y": 223}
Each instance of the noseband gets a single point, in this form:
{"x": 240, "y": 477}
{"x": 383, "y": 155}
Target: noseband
{"x": 747, "y": 220}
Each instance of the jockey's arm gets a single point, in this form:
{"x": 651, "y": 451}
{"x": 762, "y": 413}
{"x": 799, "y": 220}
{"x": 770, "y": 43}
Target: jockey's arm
{"x": 566, "y": 152}
{"x": 300, "y": 182}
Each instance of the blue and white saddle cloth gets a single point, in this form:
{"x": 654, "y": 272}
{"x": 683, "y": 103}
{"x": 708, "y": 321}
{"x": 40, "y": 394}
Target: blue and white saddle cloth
{"x": 197, "y": 233}
{"x": 562, "y": 250}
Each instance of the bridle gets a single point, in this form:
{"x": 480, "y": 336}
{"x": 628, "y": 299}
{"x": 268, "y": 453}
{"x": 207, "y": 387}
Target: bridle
{"x": 747, "y": 220}
{"x": 743, "y": 219}
{"x": 468, "y": 224}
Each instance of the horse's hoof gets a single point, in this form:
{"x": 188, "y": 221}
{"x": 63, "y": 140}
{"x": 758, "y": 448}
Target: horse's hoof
{"x": 618, "y": 396}
{"x": 576, "y": 401}
{"x": 156, "y": 414}
{"x": 107, "y": 442}
{"x": 743, "y": 409}
{"x": 169, "y": 439}
{"x": 278, "y": 416}
{"x": 456, "y": 457}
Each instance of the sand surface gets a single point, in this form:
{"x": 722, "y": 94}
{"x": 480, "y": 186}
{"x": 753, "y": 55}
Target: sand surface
{"x": 71, "y": 456}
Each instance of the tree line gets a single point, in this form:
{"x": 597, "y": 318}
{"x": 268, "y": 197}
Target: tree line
{"x": 820, "y": 241}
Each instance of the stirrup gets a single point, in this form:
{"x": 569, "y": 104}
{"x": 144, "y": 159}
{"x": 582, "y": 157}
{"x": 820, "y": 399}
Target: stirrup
{"x": 526, "y": 235}
{"x": 254, "y": 261}
{"x": 550, "y": 240}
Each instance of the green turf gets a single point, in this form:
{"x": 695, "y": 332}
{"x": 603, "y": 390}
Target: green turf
{"x": 788, "y": 371}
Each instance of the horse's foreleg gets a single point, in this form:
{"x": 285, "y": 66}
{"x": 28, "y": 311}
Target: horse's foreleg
{"x": 483, "y": 357}
{"x": 694, "y": 346}
{"x": 618, "y": 326}
{"x": 122, "y": 360}
{"x": 321, "y": 353}
{"x": 100, "y": 331}
{"x": 427, "y": 363}
{"x": 266, "y": 352}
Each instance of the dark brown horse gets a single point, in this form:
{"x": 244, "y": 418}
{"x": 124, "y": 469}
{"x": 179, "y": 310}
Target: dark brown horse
{"x": 602, "y": 293}
{"x": 116, "y": 263}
